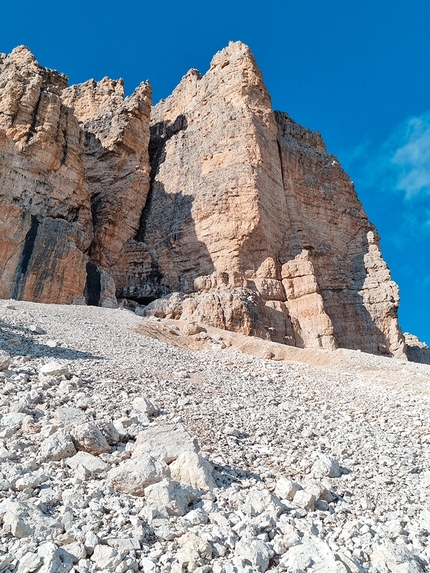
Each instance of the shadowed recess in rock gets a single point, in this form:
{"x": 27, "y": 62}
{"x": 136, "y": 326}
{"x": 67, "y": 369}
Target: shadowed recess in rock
{"x": 93, "y": 285}
{"x": 27, "y": 251}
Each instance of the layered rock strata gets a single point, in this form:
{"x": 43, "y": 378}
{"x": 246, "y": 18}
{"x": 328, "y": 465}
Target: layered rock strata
{"x": 115, "y": 162}
{"x": 220, "y": 210}
{"x": 255, "y": 224}
{"x": 45, "y": 211}
{"x": 74, "y": 175}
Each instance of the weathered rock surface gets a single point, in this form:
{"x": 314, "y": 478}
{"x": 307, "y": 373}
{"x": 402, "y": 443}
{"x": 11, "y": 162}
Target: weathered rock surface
{"x": 74, "y": 175}
{"x": 45, "y": 219}
{"x": 218, "y": 210}
{"x": 255, "y": 223}
{"x": 116, "y": 165}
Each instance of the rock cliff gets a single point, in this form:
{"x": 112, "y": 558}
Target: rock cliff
{"x": 255, "y": 223}
{"x": 45, "y": 211}
{"x": 74, "y": 175}
{"x": 217, "y": 209}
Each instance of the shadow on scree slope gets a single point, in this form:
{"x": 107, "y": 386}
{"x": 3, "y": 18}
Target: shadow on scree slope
{"x": 18, "y": 341}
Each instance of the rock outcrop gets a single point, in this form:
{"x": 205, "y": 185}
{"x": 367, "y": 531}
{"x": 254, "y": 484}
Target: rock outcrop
{"x": 74, "y": 175}
{"x": 45, "y": 211}
{"x": 220, "y": 211}
{"x": 255, "y": 223}
{"x": 116, "y": 164}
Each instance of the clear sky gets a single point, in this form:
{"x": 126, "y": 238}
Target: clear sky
{"x": 358, "y": 72}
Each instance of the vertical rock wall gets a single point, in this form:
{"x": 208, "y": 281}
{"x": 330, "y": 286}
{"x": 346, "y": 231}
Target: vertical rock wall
{"x": 233, "y": 213}
{"x": 45, "y": 212}
{"x": 255, "y": 223}
{"x": 331, "y": 249}
{"x": 115, "y": 162}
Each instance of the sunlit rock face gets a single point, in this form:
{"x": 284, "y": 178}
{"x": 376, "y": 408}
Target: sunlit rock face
{"x": 255, "y": 224}
{"x": 210, "y": 204}
{"x": 74, "y": 175}
{"x": 45, "y": 211}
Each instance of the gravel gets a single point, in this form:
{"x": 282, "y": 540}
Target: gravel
{"x": 302, "y": 467}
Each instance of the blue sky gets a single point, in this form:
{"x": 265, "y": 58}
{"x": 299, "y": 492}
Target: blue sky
{"x": 358, "y": 72}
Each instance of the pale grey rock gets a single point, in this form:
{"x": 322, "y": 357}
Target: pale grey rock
{"x": 27, "y": 481}
{"x": 313, "y": 551}
{"x": 54, "y": 369}
{"x": 109, "y": 432}
{"x": 35, "y": 329}
{"x": 256, "y": 552}
{"x": 191, "y": 468}
{"x": 170, "y": 495}
{"x": 51, "y": 559}
{"x": 124, "y": 544}
{"x": 319, "y": 490}
{"x": 304, "y": 499}
{"x": 106, "y": 557}
{"x": 70, "y": 416}
{"x": 91, "y": 463}
{"x": 88, "y": 438}
{"x": 4, "y": 360}
{"x": 397, "y": 558}
{"x": 286, "y": 488}
{"x": 134, "y": 475}
{"x": 165, "y": 441}
{"x": 29, "y": 562}
{"x": 57, "y": 447}
{"x": 193, "y": 548}
{"x": 23, "y": 520}
{"x": 90, "y": 542}
{"x": 148, "y": 565}
{"x": 196, "y": 517}
{"x": 326, "y": 466}
{"x": 261, "y": 500}
{"x": 144, "y": 405}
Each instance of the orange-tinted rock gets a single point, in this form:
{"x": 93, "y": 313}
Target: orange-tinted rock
{"x": 45, "y": 213}
{"x": 116, "y": 163}
{"x": 237, "y": 216}
{"x": 255, "y": 223}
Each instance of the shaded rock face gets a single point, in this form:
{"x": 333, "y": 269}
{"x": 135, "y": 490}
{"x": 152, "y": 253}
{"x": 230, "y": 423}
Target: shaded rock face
{"x": 255, "y": 224}
{"x": 115, "y": 162}
{"x": 233, "y": 214}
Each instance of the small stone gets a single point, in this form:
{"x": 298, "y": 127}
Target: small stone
{"x": 29, "y": 563}
{"x": 36, "y": 329}
{"x": 54, "y": 369}
{"x": 88, "y": 438}
{"x": 106, "y": 557}
{"x": 91, "y": 463}
{"x": 4, "y": 360}
{"x": 326, "y": 466}
{"x": 142, "y": 404}
{"x": 305, "y": 500}
{"x": 109, "y": 432}
{"x": 57, "y": 447}
{"x": 193, "y": 469}
{"x": 171, "y": 495}
{"x": 286, "y": 488}
{"x": 256, "y": 552}
{"x": 165, "y": 441}
{"x": 134, "y": 475}
{"x": 69, "y": 416}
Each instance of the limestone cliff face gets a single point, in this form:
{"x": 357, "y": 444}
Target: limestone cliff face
{"x": 115, "y": 162}
{"x": 74, "y": 175}
{"x": 45, "y": 212}
{"x": 255, "y": 223}
{"x": 331, "y": 240}
{"x": 216, "y": 208}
